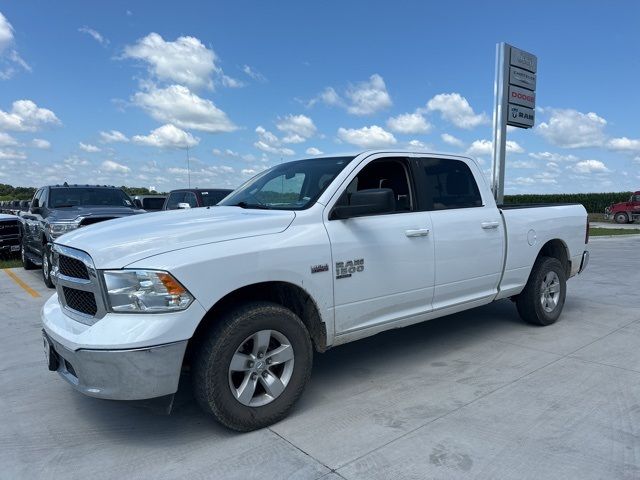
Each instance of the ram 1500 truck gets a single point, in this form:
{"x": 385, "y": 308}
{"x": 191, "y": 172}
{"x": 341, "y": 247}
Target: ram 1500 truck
{"x": 58, "y": 209}
{"x": 305, "y": 256}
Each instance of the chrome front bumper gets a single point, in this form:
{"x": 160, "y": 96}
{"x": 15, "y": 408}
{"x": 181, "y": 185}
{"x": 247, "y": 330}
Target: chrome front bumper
{"x": 584, "y": 262}
{"x": 134, "y": 374}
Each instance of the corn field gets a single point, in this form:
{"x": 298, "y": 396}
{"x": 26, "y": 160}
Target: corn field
{"x": 593, "y": 202}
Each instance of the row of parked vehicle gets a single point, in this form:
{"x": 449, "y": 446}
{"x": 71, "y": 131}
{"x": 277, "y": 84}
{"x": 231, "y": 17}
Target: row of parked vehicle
{"x": 31, "y": 227}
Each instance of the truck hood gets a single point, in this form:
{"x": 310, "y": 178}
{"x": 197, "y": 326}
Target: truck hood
{"x": 120, "y": 242}
{"x": 73, "y": 213}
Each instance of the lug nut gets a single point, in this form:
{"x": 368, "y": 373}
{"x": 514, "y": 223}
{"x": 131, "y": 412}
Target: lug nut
{"x": 250, "y": 364}
{"x": 260, "y": 355}
{"x": 269, "y": 361}
{"x": 254, "y": 376}
{"x": 264, "y": 374}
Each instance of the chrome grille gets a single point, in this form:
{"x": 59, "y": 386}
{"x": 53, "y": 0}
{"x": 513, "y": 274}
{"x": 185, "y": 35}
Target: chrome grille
{"x": 80, "y": 301}
{"x": 72, "y": 267}
{"x": 9, "y": 228}
{"x": 79, "y": 287}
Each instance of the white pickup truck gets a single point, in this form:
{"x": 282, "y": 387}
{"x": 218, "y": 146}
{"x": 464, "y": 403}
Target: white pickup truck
{"x": 305, "y": 256}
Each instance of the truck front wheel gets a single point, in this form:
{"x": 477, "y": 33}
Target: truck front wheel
{"x": 252, "y": 366}
{"x": 542, "y": 299}
{"x": 621, "y": 217}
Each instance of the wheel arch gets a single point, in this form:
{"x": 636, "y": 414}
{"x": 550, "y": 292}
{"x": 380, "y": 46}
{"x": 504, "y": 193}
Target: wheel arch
{"x": 557, "y": 249}
{"x": 283, "y": 293}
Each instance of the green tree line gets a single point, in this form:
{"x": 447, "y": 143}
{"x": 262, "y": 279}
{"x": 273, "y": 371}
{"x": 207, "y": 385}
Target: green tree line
{"x": 9, "y": 192}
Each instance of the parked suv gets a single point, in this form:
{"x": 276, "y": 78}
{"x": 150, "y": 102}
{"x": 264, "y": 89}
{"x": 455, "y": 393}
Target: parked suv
{"x": 195, "y": 197}
{"x": 58, "y": 209}
{"x": 9, "y": 235}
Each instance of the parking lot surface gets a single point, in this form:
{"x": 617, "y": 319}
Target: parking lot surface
{"x": 475, "y": 395}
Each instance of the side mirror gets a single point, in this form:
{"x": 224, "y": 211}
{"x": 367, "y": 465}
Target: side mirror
{"x": 375, "y": 201}
{"x": 183, "y": 206}
{"x": 35, "y": 206}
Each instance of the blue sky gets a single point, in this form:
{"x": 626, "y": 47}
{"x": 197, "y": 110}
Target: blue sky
{"x": 114, "y": 92}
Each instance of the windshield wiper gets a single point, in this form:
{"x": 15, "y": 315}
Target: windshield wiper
{"x": 260, "y": 206}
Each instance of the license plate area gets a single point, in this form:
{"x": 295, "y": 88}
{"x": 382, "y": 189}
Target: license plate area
{"x": 15, "y": 248}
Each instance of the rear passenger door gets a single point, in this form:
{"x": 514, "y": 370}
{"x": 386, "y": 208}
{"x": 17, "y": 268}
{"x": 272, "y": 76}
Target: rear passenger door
{"x": 468, "y": 231}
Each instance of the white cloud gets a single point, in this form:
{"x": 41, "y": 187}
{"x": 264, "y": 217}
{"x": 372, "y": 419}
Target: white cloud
{"x": 75, "y": 161}
{"x": 167, "y": 136}
{"x": 252, "y": 73}
{"x": 41, "y": 143}
{"x": 409, "y": 123}
{"x": 368, "y": 97}
{"x": 26, "y": 116}
{"x": 176, "y": 104}
{"x": 313, "y": 151}
{"x": 7, "y": 140}
{"x": 451, "y": 140}
{"x": 454, "y": 108}
{"x": 417, "y": 145}
{"x": 367, "y": 137}
{"x": 97, "y": 36}
{"x": 363, "y": 98}
{"x": 522, "y": 164}
{"x": 9, "y": 57}
{"x": 298, "y": 128}
{"x": 572, "y": 129}
{"x": 113, "y": 136}
{"x": 9, "y": 154}
{"x": 485, "y": 147}
{"x": 624, "y": 144}
{"x": 111, "y": 166}
{"x": 186, "y": 61}
{"x": 270, "y": 143}
{"x": 590, "y": 166}
{"x": 87, "y": 147}
{"x": 230, "y": 82}
{"x": 6, "y": 33}
{"x": 553, "y": 157}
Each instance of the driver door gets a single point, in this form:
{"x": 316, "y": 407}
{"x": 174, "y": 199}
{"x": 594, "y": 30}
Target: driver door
{"x": 383, "y": 263}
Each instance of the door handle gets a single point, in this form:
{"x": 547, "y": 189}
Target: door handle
{"x": 490, "y": 225}
{"x": 417, "y": 232}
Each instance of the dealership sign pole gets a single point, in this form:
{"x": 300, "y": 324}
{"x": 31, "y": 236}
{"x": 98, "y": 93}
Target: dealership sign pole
{"x": 515, "y": 104}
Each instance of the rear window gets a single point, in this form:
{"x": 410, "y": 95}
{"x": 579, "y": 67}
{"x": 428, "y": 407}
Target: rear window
{"x": 212, "y": 197}
{"x": 153, "y": 203}
{"x": 73, "y": 197}
{"x": 450, "y": 184}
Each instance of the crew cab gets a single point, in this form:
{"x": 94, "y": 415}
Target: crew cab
{"x": 58, "y": 209}
{"x": 624, "y": 212}
{"x": 306, "y": 256}
{"x": 194, "y": 198}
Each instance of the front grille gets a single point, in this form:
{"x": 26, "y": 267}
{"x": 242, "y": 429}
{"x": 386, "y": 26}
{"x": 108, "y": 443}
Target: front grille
{"x": 72, "y": 267}
{"x": 92, "y": 220}
{"x": 9, "y": 228}
{"x": 80, "y": 301}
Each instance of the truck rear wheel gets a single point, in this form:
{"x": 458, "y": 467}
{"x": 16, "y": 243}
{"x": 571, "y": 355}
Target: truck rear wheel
{"x": 26, "y": 263}
{"x": 46, "y": 266}
{"x": 252, "y": 366}
{"x": 542, "y": 299}
{"x": 621, "y": 218}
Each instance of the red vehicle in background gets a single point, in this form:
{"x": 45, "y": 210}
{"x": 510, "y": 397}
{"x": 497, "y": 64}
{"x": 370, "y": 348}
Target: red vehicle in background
{"x": 624, "y": 212}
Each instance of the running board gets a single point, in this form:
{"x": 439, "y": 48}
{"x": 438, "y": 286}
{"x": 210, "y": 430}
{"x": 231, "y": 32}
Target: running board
{"x": 36, "y": 260}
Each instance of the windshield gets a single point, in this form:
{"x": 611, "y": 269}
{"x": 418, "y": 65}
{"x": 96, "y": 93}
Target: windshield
{"x": 153, "y": 203}
{"x": 212, "y": 197}
{"x": 72, "y": 197}
{"x": 290, "y": 186}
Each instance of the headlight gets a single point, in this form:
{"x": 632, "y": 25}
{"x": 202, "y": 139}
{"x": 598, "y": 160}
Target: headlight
{"x": 57, "y": 229}
{"x": 147, "y": 291}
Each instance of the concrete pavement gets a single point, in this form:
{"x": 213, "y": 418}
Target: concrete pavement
{"x": 474, "y": 395}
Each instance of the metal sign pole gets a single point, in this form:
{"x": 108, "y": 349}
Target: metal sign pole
{"x": 500, "y": 92}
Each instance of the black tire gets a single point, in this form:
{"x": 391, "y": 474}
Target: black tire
{"x": 621, "y": 217}
{"x": 211, "y": 377}
{"x": 26, "y": 263}
{"x": 46, "y": 266}
{"x": 530, "y": 301}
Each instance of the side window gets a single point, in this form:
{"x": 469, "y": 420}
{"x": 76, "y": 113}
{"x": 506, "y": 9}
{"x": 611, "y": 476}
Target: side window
{"x": 190, "y": 198}
{"x": 636, "y": 199}
{"x": 174, "y": 199}
{"x": 44, "y": 196}
{"x": 449, "y": 184}
{"x": 390, "y": 173}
